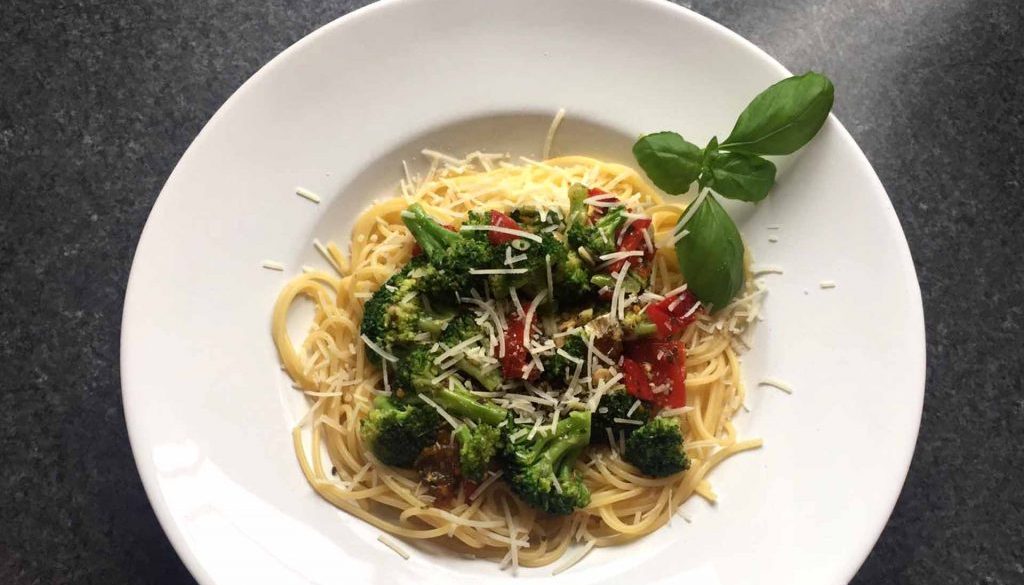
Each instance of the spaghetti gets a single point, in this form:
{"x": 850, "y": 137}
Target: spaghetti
{"x": 332, "y": 368}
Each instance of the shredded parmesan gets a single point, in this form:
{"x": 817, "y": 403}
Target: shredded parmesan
{"x": 827, "y": 284}
{"x": 378, "y": 349}
{"x": 628, "y": 421}
{"x": 502, "y": 230}
{"x": 691, "y": 209}
{"x": 676, "y": 236}
{"x": 487, "y": 308}
{"x": 776, "y": 383}
{"x": 482, "y": 271}
{"x": 551, "y": 286}
{"x": 528, "y": 320}
{"x": 444, "y": 413}
{"x": 273, "y": 265}
{"x": 307, "y": 194}
{"x": 484, "y": 485}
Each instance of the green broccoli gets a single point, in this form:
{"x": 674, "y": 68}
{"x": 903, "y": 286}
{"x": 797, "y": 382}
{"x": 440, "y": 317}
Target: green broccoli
{"x": 477, "y": 447}
{"x": 396, "y": 433}
{"x": 632, "y": 283}
{"x": 656, "y": 448}
{"x": 572, "y": 279}
{"x": 538, "y": 256}
{"x": 557, "y": 368}
{"x": 598, "y": 237}
{"x": 460, "y": 329}
{"x": 533, "y": 221}
{"x": 540, "y": 471}
{"x": 637, "y": 324}
{"x": 394, "y": 317}
{"x": 451, "y": 254}
{"x": 613, "y": 405}
{"x": 415, "y": 374}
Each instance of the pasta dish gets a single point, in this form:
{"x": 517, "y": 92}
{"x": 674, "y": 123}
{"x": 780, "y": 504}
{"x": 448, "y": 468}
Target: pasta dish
{"x": 508, "y": 360}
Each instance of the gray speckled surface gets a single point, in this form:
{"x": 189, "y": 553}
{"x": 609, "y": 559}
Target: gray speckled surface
{"x": 99, "y": 99}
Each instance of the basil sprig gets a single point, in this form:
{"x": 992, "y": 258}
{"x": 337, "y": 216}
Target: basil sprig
{"x": 780, "y": 120}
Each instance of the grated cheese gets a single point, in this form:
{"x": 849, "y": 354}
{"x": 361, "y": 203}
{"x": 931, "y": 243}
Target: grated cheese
{"x": 569, "y": 356}
{"x": 487, "y": 308}
{"x": 627, "y": 421}
{"x": 458, "y": 348}
{"x": 827, "y": 284}
{"x": 502, "y": 230}
{"x": 692, "y": 209}
{"x": 444, "y": 413}
{"x": 485, "y": 484}
{"x": 551, "y": 286}
{"x": 307, "y": 194}
{"x": 482, "y": 271}
{"x": 528, "y": 320}
{"x": 776, "y": 383}
{"x": 273, "y": 265}
{"x": 676, "y": 236}
{"x": 378, "y": 349}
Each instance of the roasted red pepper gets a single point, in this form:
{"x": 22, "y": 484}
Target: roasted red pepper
{"x": 499, "y": 219}
{"x": 673, "y": 314}
{"x": 596, "y": 211}
{"x": 654, "y": 371}
{"x": 516, "y": 357}
{"x": 633, "y": 241}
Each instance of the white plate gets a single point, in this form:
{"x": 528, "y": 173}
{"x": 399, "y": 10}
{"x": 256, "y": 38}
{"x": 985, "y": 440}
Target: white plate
{"x": 209, "y": 412}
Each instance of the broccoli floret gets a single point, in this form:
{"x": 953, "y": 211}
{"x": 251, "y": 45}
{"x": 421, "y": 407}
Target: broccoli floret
{"x": 477, "y": 447}
{"x": 533, "y": 221}
{"x": 451, "y": 254}
{"x": 533, "y": 468}
{"x": 460, "y": 329}
{"x": 398, "y": 432}
{"x": 535, "y": 277}
{"x": 636, "y": 324}
{"x": 598, "y": 237}
{"x": 572, "y": 278}
{"x": 656, "y": 448}
{"x": 613, "y": 405}
{"x": 415, "y": 374}
{"x": 394, "y": 317}
{"x": 557, "y": 368}
{"x": 632, "y": 283}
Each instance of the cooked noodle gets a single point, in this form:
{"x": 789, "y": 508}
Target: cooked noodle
{"x": 332, "y": 369}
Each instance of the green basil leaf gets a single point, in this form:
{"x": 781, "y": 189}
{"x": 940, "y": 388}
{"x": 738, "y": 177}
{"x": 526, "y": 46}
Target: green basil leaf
{"x": 671, "y": 162}
{"x": 737, "y": 175}
{"x": 711, "y": 255}
{"x": 783, "y": 117}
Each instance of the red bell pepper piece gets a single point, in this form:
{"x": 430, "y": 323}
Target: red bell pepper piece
{"x": 516, "y": 357}
{"x": 672, "y": 314}
{"x": 499, "y": 219}
{"x": 654, "y": 371}
{"x": 633, "y": 241}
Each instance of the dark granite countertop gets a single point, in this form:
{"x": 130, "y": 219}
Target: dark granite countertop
{"x": 98, "y": 100}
